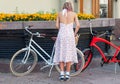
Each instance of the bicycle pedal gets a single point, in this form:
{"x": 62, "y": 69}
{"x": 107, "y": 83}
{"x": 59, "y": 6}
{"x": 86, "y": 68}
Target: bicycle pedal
{"x": 109, "y": 57}
{"x": 101, "y": 64}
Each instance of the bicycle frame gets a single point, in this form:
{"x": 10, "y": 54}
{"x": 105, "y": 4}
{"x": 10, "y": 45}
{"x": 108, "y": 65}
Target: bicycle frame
{"x": 113, "y": 57}
{"x": 96, "y": 39}
{"x": 30, "y": 46}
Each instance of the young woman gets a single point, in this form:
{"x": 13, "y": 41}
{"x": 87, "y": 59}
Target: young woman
{"x": 65, "y": 50}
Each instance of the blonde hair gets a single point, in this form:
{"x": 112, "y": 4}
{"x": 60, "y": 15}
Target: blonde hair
{"x": 68, "y": 6}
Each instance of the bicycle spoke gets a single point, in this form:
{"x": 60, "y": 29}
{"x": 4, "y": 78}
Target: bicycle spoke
{"x": 22, "y": 66}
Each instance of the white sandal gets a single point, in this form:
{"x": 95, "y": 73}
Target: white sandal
{"x": 62, "y": 77}
{"x": 67, "y": 77}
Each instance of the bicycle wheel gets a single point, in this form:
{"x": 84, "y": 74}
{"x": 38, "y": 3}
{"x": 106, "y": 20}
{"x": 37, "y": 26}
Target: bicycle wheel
{"x": 88, "y": 57}
{"x": 76, "y": 68}
{"x": 23, "y": 62}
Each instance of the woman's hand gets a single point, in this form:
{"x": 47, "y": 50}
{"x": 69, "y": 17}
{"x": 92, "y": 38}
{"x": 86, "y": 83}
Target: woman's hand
{"x": 75, "y": 34}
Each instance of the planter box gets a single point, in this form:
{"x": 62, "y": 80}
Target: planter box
{"x": 11, "y": 25}
{"x": 104, "y": 22}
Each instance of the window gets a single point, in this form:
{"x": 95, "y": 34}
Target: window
{"x": 103, "y": 8}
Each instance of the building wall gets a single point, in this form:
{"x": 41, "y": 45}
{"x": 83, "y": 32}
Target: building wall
{"x": 28, "y": 6}
{"x": 116, "y": 9}
{"x": 32, "y": 6}
{"x": 87, "y": 6}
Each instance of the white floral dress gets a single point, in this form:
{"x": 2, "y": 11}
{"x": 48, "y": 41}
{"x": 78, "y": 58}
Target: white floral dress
{"x": 65, "y": 48}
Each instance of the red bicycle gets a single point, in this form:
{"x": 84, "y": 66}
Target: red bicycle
{"x": 113, "y": 57}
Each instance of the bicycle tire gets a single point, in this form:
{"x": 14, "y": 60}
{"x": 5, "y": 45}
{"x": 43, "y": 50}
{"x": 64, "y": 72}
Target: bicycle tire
{"x": 76, "y": 68}
{"x": 17, "y": 65}
{"x": 88, "y": 57}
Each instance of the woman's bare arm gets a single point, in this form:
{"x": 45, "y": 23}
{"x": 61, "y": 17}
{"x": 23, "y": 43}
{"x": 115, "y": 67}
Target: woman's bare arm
{"x": 77, "y": 24}
{"x": 57, "y": 22}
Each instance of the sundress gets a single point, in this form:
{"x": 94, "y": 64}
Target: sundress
{"x": 65, "y": 48}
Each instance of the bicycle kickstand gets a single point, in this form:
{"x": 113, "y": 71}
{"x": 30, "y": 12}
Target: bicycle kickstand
{"x": 115, "y": 68}
{"x": 50, "y": 70}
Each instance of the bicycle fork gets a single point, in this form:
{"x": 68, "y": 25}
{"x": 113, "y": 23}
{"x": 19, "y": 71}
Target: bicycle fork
{"x": 25, "y": 58}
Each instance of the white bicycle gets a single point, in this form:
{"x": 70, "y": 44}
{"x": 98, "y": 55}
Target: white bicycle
{"x": 25, "y": 59}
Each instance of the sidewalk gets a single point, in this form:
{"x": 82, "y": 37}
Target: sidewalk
{"x": 94, "y": 74}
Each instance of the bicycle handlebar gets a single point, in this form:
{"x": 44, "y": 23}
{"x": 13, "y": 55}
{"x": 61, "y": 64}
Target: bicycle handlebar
{"x": 26, "y": 28}
{"x": 107, "y": 33}
{"x": 34, "y": 34}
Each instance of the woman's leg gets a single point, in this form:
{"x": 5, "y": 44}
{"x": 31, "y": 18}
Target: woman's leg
{"x": 61, "y": 66}
{"x": 62, "y": 73}
{"x": 68, "y": 66}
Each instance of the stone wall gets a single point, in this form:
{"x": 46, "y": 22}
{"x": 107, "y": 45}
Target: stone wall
{"x": 103, "y": 22}
{"x": 13, "y": 37}
{"x": 116, "y": 31}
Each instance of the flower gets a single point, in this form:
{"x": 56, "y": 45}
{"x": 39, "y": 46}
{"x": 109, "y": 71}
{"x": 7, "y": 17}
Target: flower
{"x": 38, "y": 17}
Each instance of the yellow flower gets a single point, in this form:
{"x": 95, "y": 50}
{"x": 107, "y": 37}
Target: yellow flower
{"x": 38, "y": 17}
